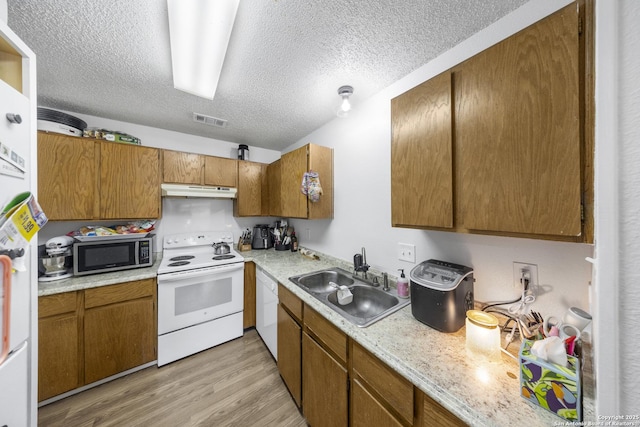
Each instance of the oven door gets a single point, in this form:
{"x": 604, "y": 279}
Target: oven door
{"x": 189, "y": 298}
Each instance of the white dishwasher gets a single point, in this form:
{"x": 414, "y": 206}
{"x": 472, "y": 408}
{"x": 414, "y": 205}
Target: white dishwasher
{"x": 267, "y": 310}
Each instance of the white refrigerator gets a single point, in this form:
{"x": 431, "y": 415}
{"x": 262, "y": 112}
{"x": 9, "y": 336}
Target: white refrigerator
{"x": 18, "y": 355}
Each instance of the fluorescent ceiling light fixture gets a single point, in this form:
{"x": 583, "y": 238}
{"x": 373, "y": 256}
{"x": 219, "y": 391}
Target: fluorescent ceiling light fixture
{"x": 199, "y": 31}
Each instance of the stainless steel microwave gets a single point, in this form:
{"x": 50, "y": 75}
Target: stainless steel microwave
{"x": 105, "y": 256}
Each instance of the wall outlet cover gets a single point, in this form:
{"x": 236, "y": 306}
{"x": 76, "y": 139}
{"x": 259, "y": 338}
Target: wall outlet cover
{"x": 407, "y": 252}
{"x": 518, "y": 267}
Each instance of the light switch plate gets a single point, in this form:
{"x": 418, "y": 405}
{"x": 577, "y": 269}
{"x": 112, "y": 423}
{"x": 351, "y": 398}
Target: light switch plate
{"x": 407, "y": 252}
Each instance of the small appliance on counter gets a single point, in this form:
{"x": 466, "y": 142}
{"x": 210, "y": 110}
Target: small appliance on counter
{"x": 105, "y": 254}
{"x": 55, "y": 259}
{"x": 441, "y": 294}
{"x": 262, "y": 237}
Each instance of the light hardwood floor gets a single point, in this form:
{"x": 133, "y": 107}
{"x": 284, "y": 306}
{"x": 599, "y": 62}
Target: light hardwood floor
{"x": 233, "y": 384}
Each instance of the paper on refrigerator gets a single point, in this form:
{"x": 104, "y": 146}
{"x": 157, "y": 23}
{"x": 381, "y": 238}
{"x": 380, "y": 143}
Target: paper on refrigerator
{"x": 20, "y": 220}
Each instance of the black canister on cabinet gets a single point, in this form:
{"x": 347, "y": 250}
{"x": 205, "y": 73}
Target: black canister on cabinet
{"x": 243, "y": 152}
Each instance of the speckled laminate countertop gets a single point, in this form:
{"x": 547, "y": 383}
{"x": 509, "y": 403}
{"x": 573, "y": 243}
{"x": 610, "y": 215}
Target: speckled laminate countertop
{"x": 479, "y": 393}
{"x": 96, "y": 280}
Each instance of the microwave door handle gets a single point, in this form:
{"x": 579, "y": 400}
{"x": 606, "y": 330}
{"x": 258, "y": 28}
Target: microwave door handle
{"x": 203, "y": 272}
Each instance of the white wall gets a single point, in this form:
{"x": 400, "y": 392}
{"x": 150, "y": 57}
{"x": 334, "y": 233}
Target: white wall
{"x": 362, "y": 198}
{"x": 166, "y": 139}
{"x": 178, "y": 215}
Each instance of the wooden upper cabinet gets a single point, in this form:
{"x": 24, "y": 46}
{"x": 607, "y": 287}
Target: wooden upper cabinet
{"x": 503, "y": 142}
{"x": 129, "y": 181}
{"x": 517, "y": 125}
{"x": 189, "y": 168}
{"x": 321, "y": 161}
{"x": 293, "y": 165}
{"x": 68, "y": 182}
{"x": 182, "y": 168}
{"x": 219, "y": 171}
{"x": 274, "y": 181}
{"x": 250, "y": 183}
{"x": 421, "y": 155}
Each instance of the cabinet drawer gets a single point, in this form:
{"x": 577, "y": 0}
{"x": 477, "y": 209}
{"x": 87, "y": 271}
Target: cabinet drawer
{"x": 291, "y": 302}
{"x": 431, "y": 413}
{"x": 51, "y": 305}
{"x": 332, "y": 338}
{"x": 366, "y": 411}
{"x": 397, "y": 391}
{"x": 96, "y": 297}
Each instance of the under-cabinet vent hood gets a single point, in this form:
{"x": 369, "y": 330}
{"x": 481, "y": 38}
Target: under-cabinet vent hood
{"x": 184, "y": 190}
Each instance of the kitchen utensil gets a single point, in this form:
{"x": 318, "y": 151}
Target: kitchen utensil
{"x": 221, "y": 248}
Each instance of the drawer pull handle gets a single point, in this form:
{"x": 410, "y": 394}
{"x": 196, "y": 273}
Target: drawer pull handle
{"x": 14, "y": 118}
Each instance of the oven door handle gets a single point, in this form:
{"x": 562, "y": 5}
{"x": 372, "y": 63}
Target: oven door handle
{"x": 200, "y": 272}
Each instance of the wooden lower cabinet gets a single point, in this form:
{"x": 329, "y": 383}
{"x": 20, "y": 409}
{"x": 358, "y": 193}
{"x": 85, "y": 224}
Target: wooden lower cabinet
{"x": 290, "y": 353}
{"x": 324, "y": 386}
{"x": 392, "y": 392}
{"x": 89, "y": 335}
{"x": 59, "y": 345}
{"x": 337, "y": 382}
{"x": 118, "y": 337}
{"x": 431, "y": 413}
{"x": 249, "y": 313}
{"x": 366, "y": 411}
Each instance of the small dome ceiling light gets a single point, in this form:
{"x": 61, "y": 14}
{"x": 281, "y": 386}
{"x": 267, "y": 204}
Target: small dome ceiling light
{"x": 345, "y": 106}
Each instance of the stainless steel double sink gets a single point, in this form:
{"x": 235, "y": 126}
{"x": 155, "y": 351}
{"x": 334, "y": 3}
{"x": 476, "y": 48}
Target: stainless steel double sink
{"x": 369, "y": 303}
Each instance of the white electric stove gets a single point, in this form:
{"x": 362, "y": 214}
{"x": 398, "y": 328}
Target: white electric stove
{"x": 200, "y": 293}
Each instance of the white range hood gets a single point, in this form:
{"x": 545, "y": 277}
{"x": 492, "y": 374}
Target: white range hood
{"x": 185, "y": 190}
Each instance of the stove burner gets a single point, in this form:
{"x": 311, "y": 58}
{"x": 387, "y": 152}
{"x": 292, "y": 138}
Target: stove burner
{"x": 221, "y": 257}
{"x": 182, "y": 258}
{"x": 179, "y": 263}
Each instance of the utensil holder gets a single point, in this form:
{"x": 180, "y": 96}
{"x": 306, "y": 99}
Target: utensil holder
{"x": 243, "y": 246}
{"x": 281, "y": 247}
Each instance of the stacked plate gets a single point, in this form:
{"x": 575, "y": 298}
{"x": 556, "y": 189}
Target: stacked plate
{"x": 59, "y": 122}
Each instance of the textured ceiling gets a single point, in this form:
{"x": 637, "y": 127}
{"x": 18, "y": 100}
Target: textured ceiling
{"x": 285, "y": 62}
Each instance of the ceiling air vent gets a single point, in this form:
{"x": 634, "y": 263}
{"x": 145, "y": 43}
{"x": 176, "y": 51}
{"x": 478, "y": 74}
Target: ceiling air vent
{"x": 208, "y": 120}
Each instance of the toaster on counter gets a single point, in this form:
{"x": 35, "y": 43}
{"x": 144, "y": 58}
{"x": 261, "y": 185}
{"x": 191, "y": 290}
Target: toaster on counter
{"x": 441, "y": 294}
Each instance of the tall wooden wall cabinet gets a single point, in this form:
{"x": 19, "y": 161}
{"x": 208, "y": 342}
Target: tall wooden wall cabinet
{"x": 502, "y": 143}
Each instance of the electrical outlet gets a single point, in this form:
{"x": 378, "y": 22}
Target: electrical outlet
{"x": 523, "y": 268}
{"x": 407, "y": 252}
{"x": 308, "y": 234}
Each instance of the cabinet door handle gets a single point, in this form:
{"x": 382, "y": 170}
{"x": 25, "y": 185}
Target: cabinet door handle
{"x": 14, "y": 118}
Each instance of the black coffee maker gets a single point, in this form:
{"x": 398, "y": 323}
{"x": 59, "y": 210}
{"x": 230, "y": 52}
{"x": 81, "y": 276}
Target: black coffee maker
{"x": 262, "y": 237}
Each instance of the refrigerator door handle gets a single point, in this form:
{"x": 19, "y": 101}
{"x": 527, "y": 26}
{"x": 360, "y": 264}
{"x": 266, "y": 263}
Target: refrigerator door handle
{"x": 5, "y": 263}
